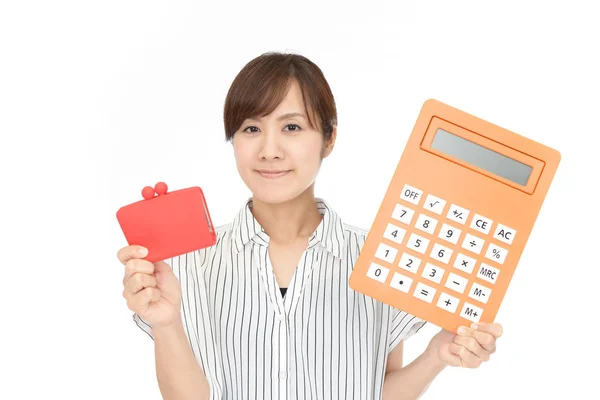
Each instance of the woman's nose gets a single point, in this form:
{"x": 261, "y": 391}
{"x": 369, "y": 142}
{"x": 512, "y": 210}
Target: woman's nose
{"x": 271, "y": 146}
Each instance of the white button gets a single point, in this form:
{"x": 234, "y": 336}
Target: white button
{"x": 471, "y": 312}
{"x": 424, "y": 292}
{"x": 480, "y": 292}
{"x": 433, "y": 273}
{"x": 457, "y": 214}
{"x": 505, "y": 234}
{"x": 411, "y": 194}
{"x": 434, "y": 204}
{"x": 386, "y": 253}
{"x": 496, "y": 253}
{"x": 426, "y": 224}
{"x": 473, "y": 243}
{"x": 488, "y": 273}
{"x": 282, "y": 375}
{"x": 464, "y": 263}
{"x": 378, "y": 272}
{"x": 403, "y": 214}
{"x": 418, "y": 243}
{"x": 457, "y": 283}
{"x": 394, "y": 233}
{"x": 447, "y": 302}
{"x": 409, "y": 263}
{"x": 441, "y": 253}
{"x": 481, "y": 224}
{"x": 449, "y": 233}
{"x": 401, "y": 282}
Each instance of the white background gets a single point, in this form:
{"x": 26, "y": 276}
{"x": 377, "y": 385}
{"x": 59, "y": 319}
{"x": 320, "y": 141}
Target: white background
{"x": 99, "y": 99}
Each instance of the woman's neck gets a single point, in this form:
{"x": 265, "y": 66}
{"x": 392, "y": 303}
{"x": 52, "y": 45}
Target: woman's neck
{"x": 287, "y": 223}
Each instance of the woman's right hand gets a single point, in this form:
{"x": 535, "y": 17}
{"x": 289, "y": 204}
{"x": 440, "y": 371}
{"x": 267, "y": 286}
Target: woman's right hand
{"x": 151, "y": 289}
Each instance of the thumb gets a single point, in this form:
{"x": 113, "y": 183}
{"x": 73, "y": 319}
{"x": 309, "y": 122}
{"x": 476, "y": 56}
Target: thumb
{"x": 161, "y": 266}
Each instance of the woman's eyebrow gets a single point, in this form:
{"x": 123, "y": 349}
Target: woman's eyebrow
{"x": 285, "y": 116}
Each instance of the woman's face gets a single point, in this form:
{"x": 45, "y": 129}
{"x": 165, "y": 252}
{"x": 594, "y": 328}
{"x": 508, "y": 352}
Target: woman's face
{"x": 279, "y": 156}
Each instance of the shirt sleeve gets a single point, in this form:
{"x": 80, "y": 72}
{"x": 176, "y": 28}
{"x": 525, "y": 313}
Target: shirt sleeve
{"x": 402, "y": 326}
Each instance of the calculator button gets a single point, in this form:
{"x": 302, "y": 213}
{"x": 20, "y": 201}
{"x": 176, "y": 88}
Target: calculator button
{"x": 496, "y": 253}
{"x": 456, "y": 283}
{"x": 386, "y": 253}
{"x": 481, "y": 224}
{"x": 409, "y": 263}
{"x": 464, "y": 263}
{"x": 457, "y": 214}
{"x": 378, "y": 272}
{"x": 441, "y": 253}
{"x": 418, "y": 243}
{"x": 434, "y": 204}
{"x": 447, "y": 302}
{"x": 426, "y": 224}
{"x": 480, "y": 292}
{"x": 433, "y": 273}
{"x": 471, "y": 312}
{"x": 473, "y": 243}
{"x": 401, "y": 282}
{"x": 403, "y": 214}
{"x": 449, "y": 233}
{"x": 505, "y": 234}
{"x": 411, "y": 194}
{"x": 424, "y": 292}
{"x": 394, "y": 233}
{"x": 488, "y": 273}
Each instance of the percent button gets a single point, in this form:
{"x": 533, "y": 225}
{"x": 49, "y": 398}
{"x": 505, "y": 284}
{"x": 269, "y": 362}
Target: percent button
{"x": 496, "y": 253}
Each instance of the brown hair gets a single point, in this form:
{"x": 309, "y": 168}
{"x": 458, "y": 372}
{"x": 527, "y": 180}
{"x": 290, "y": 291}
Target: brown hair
{"x": 263, "y": 83}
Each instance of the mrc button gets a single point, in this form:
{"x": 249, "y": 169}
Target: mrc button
{"x": 488, "y": 273}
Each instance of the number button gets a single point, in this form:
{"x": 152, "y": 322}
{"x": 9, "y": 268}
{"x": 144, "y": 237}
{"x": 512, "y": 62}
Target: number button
{"x": 418, "y": 243}
{"x": 505, "y": 234}
{"x": 464, "y": 263}
{"x": 449, "y": 233}
{"x": 481, "y": 224}
{"x": 496, "y": 253}
{"x": 434, "y": 204}
{"x": 394, "y": 233}
{"x": 447, "y": 302}
{"x": 411, "y": 194}
{"x": 441, "y": 253}
{"x": 480, "y": 293}
{"x": 401, "y": 282}
{"x": 471, "y": 312}
{"x": 403, "y": 214}
{"x": 488, "y": 273}
{"x": 457, "y": 283}
{"x": 426, "y": 224}
{"x": 378, "y": 272}
{"x": 433, "y": 273}
{"x": 409, "y": 263}
{"x": 457, "y": 214}
{"x": 473, "y": 243}
{"x": 424, "y": 292}
{"x": 386, "y": 253}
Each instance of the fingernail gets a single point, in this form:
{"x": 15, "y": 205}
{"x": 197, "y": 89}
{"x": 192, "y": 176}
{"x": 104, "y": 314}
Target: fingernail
{"x": 143, "y": 251}
{"x": 462, "y": 330}
{"x": 474, "y": 325}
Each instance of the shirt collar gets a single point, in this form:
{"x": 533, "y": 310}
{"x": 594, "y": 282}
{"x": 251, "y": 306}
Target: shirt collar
{"x": 329, "y": 233}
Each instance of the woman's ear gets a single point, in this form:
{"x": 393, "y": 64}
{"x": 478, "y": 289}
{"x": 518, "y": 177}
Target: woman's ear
{"x": 328, "y": 148}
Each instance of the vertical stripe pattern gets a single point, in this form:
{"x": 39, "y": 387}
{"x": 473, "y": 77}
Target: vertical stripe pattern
{"x": 323, "y": 340}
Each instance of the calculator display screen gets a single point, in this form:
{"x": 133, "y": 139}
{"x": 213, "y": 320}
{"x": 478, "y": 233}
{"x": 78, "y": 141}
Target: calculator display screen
{"x": 481, "y": 157}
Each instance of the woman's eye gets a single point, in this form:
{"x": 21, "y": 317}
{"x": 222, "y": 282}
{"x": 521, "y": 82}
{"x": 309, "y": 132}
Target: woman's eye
{"x": 250, "y": 127}
{"x": 294, "y": 130}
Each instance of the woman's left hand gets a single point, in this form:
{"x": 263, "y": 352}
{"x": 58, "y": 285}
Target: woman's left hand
{"x": 469, "y": 348}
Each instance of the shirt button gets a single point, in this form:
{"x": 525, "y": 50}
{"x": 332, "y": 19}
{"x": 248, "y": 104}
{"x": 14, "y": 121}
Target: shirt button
{"x": 282, "y": 374}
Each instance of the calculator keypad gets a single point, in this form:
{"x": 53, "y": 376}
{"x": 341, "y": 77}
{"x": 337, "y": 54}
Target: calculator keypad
{"x": 435, "y": 252}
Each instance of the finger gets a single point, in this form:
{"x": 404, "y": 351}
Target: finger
{"x": 485, "y": 340}
{"x": 146, "y": 296}
{"x": 138, "y": 282}
{"x": 454, "y": 359}
{"x": 467, "y": 359}
{"x": 135, "y": 266}
{"x": 130, "y": 252}
{"x": 492, "y": 328}
{"x": 471, "y": 344}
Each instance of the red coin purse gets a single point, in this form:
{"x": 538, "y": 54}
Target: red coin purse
{"x": 168, "y": 224}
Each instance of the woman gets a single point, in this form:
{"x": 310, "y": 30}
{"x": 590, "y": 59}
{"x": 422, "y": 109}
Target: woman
{"x": 223, "y": 323}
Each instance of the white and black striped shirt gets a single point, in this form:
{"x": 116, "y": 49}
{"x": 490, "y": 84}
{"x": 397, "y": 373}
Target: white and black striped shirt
{"x": 322, "y": 340}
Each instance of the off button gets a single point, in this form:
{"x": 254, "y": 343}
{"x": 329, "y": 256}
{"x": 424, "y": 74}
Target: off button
{"x": 411, "y": 194}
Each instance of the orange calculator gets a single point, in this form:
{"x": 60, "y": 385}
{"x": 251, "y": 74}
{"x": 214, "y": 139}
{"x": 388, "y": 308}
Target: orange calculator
{"x": 455, "y": 219}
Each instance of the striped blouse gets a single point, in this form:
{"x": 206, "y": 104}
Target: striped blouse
{"x": 322, "y": 340}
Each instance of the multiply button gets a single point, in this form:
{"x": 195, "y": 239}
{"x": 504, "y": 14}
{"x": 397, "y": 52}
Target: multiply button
{"x": 447, "y": 302}
{"x": 464, "y": 263}
{"x": 480, "y": 293}
{"x": 488, "y": 273}
{"x": 481, "y": 224}
{"x": 471, "y": 312}
{"x": 505, "y": 234}
{"x": 411, "y": 194}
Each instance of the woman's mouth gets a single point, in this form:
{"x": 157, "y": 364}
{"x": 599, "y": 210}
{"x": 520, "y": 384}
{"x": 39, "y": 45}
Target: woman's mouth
{"x": 272, "y": 174}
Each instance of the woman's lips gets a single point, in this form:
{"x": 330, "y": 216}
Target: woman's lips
{"x": 272, "y": 174}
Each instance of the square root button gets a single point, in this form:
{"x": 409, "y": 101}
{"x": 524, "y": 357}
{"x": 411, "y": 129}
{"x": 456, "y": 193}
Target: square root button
{"x": 471, "y": 312}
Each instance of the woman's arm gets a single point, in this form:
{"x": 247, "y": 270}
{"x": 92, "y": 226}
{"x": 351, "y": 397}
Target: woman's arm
{"x": 410, "y": 382}
{"x": 179, "y": 375}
